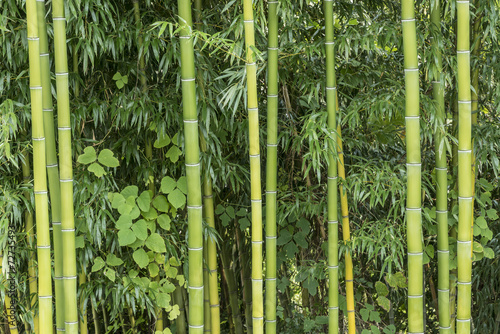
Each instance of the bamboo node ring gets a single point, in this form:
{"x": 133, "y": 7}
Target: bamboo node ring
{"x": 195, "y": 207}
{"x": 271, "y": 237}
{"x": 333, "y": 267}
{"x": 39, "y": 139}
{"x": 417, "y": 296}
{"x": 193, "y": 326}
{"x": 333, "y": 307}
{"x": 68, "y": 230}
{"x": 419, "y": 253}
{"x": 195, "y": 249}
{"x": 195, "y": 287}
{"x": 333, "y": 222}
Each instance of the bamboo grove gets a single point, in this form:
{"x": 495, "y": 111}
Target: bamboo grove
{"x": 144, "y": 212}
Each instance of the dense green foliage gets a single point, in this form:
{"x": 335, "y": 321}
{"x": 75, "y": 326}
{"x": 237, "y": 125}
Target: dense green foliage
{"x": 129, "y": 155}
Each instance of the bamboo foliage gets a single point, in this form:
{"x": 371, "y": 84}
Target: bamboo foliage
{"x": 40, "y": 176}
{"x": 441, "y": 182}
{"x": 465, "y": 188}
{"x": 271, "y": 167}
{"x": 413, "y": 168}
{"x": 331, "y": 106}
{"x": 52, "y": 167}
{"x": 66, "y": 170}
{"x": 255, "y": 180}
{"x": 194, "y": 201}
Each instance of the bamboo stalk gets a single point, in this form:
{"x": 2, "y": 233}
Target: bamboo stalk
{"x": 194, "y": 201}
{"x": 66, "y": 170}
{"x": 465, "y": 188}
{"x": 245, "y": 279}
{"x": 255, "y": 179}
{"x": 179, "y": 300}
{"x": 232, "y": 290}
{"x": 52, "y": 167}
{"x": 206, "y": 295}
{"x": 271, "y": 167}
{"x": 413, "y": 166}
{"x": 441, "y": 169}
{"x": 349, "y": 278}
{"x": 82, "y": 279}
{"x": 331, "y": 106}
{"x": 40, "y": 176}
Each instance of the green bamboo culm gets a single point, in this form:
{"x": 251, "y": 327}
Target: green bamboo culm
{"x": 465, "y": 188}
{"x": 271, "y": 166}
{"x": 413, "y": 170}
{"x": 331, "y": 106}
{"x": 194, "y": 204}
{"x": 40, "y": 175}
{"x": 441, "y": 169}
{"x": 52, "y": 166}
{"x": 65, "y": 169}
{"x": 255, "y": 180}
{"x": 213, "y": 285}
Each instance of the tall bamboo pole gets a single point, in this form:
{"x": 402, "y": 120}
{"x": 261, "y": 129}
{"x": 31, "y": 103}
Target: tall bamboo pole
{"x": 208, "y": 207}
{"x": 413, "y": 167}
{"x": 255, "y": 181}
{"x": 194, "y": 201}
{"x": 346, "y": 233}
{"x": 232, "y": 290}
{"x": 66, "y": 170}
{"x": 465, "y": 189}
{"x": 40, "y": 176}
{"x": 52, "y": 167}
{"x": 331, "y": 106}
{"x": 271, "y": 166}
{"x": 441, "y": 181}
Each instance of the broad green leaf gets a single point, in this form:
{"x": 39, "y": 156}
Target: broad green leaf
{"x": 308, "y": 325}
{"x": 133, "y": 273}
{"x": 225, "y": 219}
{"x": 177, "y": 198}
{"x": 244, "y": 223}
{"x": 160, "y": 203}
{"x": 291, "y": 249}
{"x": 365, "y": 314}
{"x": 153, "y": 269}
{"x": 107, "y": 158}
{"x": 144, "y": 201}
{"x": 381, "y": 289}
{"x": 175, "y": 139}
{"x": 173, "y": 154}
{"x": 162, "y": 140}
{"x": 140, "y": 229}
{"x": 163, "y": 300}
{"x": 230, "y": 212}
{"x": 321, "y": 319}
{"x": 173, "y": 262}
{"x": 429, "y": 249}
{"x": 120, "y": 84}
{"x": 117, "y": 76}
{"x": 141, "y": 258}
{"x": 151, "y": 214}
{"x": 477, "y": 247}
{"x": 126, "y": 237}
{"x": 118, "y": 200}
{"x": 125, "y": 79}
{"x": 219, "y": 209}
{"x": 489, "y": 253}
{"x": 124, "y": 222}
{"x": 401, "y": 280}
{"x": 300, "y": 239}
{"x": 79, "y": 242}
{"x": 311, "y": 284}
{"x": 375, "y": 316}
{"x": 135, "y": 212}
{"x": 284, "y": 237}
{"x": 164, "y": 221}
{"x": 492, "y": 214}
{"x": 241, "y": 212}
{"x": 130, "y": 193}
{"x": 374, "y": 329}
{"x": 110, "y": 273}
{"x": 167, "y": 185}
{"x": 113, "y": 260}
{"x": 98, "y": 264}
{"x": 171, "y": 272}
{"x": 182, "y": 184}
{"x": 97, "y": 169}
{"x": 156, "y": 243}
{"x": 481, "y": 222}
{"x": 172, "y": 315}
{"x": 384, "y": 302}
{"x": 88, "y": 156}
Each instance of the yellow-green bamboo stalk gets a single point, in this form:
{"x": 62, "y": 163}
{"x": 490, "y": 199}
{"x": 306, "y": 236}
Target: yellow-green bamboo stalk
{"x": 206, "y": 295}
{"x": 142, "y": 65}
{"x": 441, "y": 181}
{"x": 346, "y": 233}
{"x": 9, "y": 308}
{"x": 413, "y": 167}
{"x": 28, "y": 217}
{"x": 331, "y": 106}
{"x": 465, "y": 189}
{"x": 66, "y": 170}
{"x": 40, "y": 176}
{"x": 52, "y": 167}
{"x": 213, "y": 286}
{"x": 82, "y": 279}
{"x": 271, "y": 166}
{"x": 194, "y": 201}
{"x": 255, "y": 180}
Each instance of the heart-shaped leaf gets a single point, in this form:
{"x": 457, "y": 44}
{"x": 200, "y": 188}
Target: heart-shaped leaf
{"x": 107, "y": 158}
{"x": 88, "y": 155}
{"x": 156, "y": 243}
{"x": 141, "y": 258}
{"x": 97, "y": 169}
